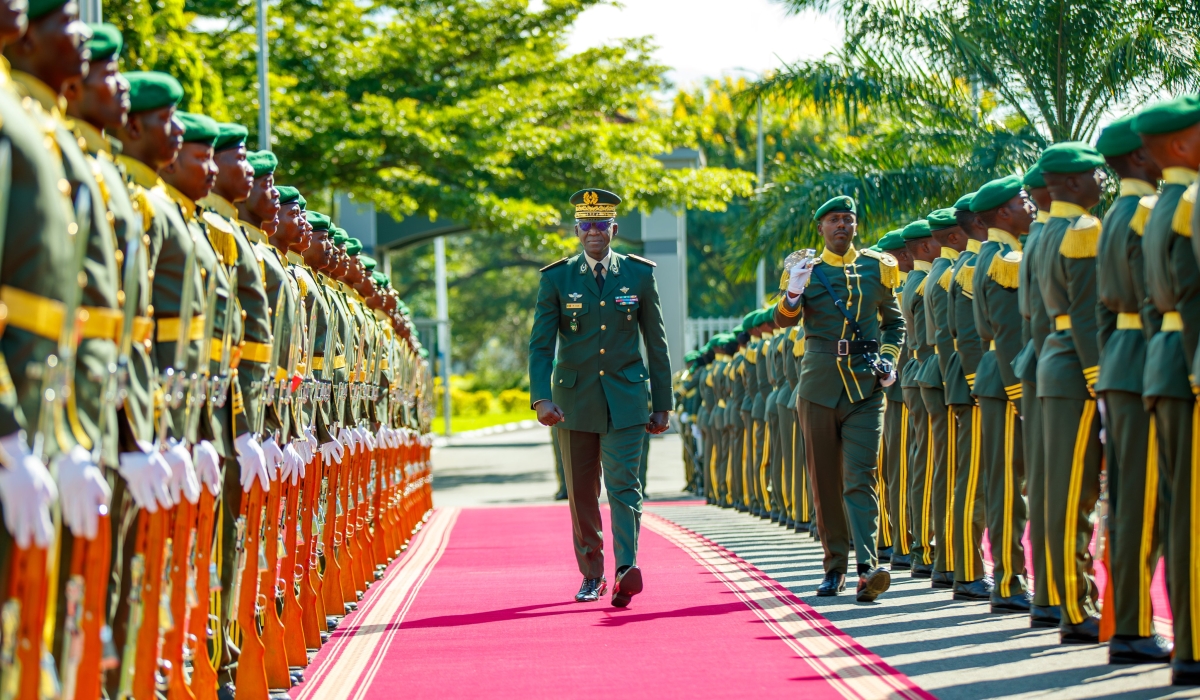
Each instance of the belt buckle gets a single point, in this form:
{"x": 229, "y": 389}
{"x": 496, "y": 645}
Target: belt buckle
{"x": 843, "y": 347}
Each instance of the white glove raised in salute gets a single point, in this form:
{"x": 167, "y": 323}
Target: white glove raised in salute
{"x": 83, "y": 491}
{"x": 798, "y": 278}
{"x": 251, "y": 463}
{"x": 27, "y": 492}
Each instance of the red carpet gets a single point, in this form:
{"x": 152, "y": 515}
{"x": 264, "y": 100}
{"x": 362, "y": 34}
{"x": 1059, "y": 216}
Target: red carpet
{"x": 481, "y": 606}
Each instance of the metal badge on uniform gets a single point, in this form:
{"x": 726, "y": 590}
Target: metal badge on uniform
{"x": 574, "y": 306}
{"x": 627, "y": 300}
{"x": 574, "y": 325}
{"x": 575, "y": 296}
{"x": 624, "y": 290}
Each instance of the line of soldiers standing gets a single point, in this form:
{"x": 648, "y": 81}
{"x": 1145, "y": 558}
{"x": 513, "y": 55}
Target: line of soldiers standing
{"x": 214, "y": 411}
{"x": 1048, "y": 379}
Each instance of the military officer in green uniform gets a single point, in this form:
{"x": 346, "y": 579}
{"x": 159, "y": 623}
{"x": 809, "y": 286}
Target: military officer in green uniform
{"x": 1125, "y": 321}
{"x": 894, "y": 460}
{"x": 842, "y": 379}
{"x": 798, "y": 480}
{"x": 1171, "y": 132}
{"x": 1068, "y": 367}
{"x": 593, "y": 308}
{"x": 1004, "y": 207}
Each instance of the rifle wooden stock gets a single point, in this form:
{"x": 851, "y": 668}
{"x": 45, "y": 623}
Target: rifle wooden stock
{"x": 381, "y": 537}
{"x": 312, "y": 610}
{"x": 24, "y": 616}
{"x": 293, "y": 623}
{"x": 89, "y": 564}
{"x": 345, "y": 527}
{"x": 272, "y": 627}
{"x": 204, "y": 674}
{"x": 364, "y": 571}
{"x": 152, "y": 544}
{"x": 251, "y": 678}
{"x": 175, "y": 637}
{"x": 331, "y": 587}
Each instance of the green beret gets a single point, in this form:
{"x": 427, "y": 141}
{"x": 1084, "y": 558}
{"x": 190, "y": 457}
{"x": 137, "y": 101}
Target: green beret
{"x": 263, "y": 162}
{"x": 353, "y": 246}
{"x": 339, "y": 235}
{"x": 766, "y": 315}
{"x": 691, "y": 356}
{"x": 230, "y": 136}
{"x": 964, "y": 202}
{"x": 41, "y": 8}
{"x": 381, "y": 280}
{"x": 1033, "y": 177}
{"x": 996, "y": 193}
{"x": 1160, "y": 118}
{"x": 367, "y": 262}
{"x": 892, "y": 240}
{"x": 917, "y": 229}
{"x": 150, "y": 90}
{"x": 198, "y": 128}
{"x": 1070, "y": 157}
{"x": 748, "y": 321}
{"x": 106, "y": 42}
{"x": 1119, "y": 138}
{"x": 940, "y": 219}
{"x": 317, "y": 220}
{"x": 839, "y": 203}
{"x": 303, "y": 202}
{"x": 287, "y": 194}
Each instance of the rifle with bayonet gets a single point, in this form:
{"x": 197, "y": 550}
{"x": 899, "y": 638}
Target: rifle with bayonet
{"x": 312, "y": 598}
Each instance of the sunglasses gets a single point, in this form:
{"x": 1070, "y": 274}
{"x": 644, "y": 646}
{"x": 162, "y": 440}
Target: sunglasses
{"x": 601, "y": 226}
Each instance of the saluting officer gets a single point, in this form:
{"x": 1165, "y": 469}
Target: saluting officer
{"x": 593, "y": 308}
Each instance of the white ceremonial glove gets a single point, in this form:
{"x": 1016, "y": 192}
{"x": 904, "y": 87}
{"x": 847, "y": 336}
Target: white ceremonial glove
{"x": 369, "y": 439}
{"x": 888, "y": 380}
{"x": 383, "y": 436}
{"x": 84, "y": 492}
{"x": 310, "y": 437}
{"x": 208, "y": 466}
{"x": 332, "y": 452}
{"x": 183, "y": 473}
{"x": 251, "y": 462}
{"x": 349, "y": 439}
{"x": 798, "y": 278}
{"x": 27, "y": 492}
{"x": 361, "y": 434}
{"x": 147, "y": 476}
{"x": 293, "y": 464}
{"x": 303, "y": 448}
{"x": 273, "y": 457}
{"x": 683, "y": 417}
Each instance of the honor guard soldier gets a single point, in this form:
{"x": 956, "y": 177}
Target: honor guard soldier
{"x": 920, "y": 244}
{"x": 894, "y": 465}
{"x": 1131, "y": 462}
{"x": 1068, "y": 367}
{"x": 1171, "y": 133}
{"x": 1005, "y": 209}
{"x": 853, "y": 334}
{"x": 796, "y": 466}
{"x": 593, "y": 308}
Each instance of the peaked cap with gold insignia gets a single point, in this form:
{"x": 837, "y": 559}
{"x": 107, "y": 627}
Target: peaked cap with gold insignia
{"x": 595, "y": 205}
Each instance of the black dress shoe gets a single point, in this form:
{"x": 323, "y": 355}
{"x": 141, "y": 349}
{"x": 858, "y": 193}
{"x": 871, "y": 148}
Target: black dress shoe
{"x": 920, "y": 570}
{"x": 1044, "y": 616}
{"x": 803, "y": 527}
{"x": 591, "y": 589}
{"x": 560, "y": 496}
{"x": 901, "y": 561}
{"x": 972, "y": 590}
{"x": 629, "y": 584}
{"x": 1124, "y": 649}
{"x": 872, "y": 583}
{"x": 833, "y": 583}
{"x": 226, "y": 692}
{"x": 1185, "y": 672}
{"x": 1086, "y": 632}
{"x": 942, "y": 579}
{"x": 884, "y": 553}
{"x": 1015, "y": 603}
{"x": 331, "y": 622}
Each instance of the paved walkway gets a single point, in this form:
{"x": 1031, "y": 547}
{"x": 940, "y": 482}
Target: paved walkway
{"x": 952, "y": 649}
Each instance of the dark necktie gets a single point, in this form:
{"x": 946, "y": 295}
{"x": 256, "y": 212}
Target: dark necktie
{"x": 600, "y": 277}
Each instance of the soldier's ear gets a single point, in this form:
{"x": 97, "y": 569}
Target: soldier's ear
{"x": 614, "y": 229}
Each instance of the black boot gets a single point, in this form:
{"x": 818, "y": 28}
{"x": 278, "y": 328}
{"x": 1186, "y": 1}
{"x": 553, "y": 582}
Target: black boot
{"x": 1185, "y": 672}
{"x": 901, "y": 561}
{"x": 972, "y": 590}
{"x": 1044, "y": 616}
{"x": 884, "y": 553}
{"x": 942, "y": 579}
{"x": 1128, "y": 649}
{"x": 920, "y": 570}
{"x": 833, "y": 583}
{"x": 1086, "y": 632}
{"x": 1015, "y": 603}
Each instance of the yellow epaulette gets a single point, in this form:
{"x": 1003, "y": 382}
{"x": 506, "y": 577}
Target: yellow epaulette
{"x": 944, "y": 280}
{"x": 798, "y": 348}
{"x": 220, "y": 235}
{"x": 1182, "y": 222}
{"x": 142, "y": 205}
{"x": 1006, "y": 269}
{"x": 795, "y": 330}
{"x": 1081, "y": 239}
{"x": 752, "y": 356}
{"x": 966, "y": 279}
{"x": 889, "y": 269}
{"x": 1142, "y": 215}
{"x": 920, "y": 290}
{"x": 708, "y": 380}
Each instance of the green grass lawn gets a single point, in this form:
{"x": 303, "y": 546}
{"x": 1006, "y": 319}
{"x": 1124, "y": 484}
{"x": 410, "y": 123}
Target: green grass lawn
{"x": 461, "y": 424}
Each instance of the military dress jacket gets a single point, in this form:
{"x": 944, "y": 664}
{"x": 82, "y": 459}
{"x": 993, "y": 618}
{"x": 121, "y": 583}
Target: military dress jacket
{"x": 792, "y": 359}
{"x": 1068, "y": 364}
{"x": 895, "y": 392}
{"x": 865, "y": 280}
{"x": 968, "y": 347}
{"x": 949, "y": 376}
{"x": 1126, "y": 319}
{"x": 998, "y": 316}
{"x": 1173, "y": 285}
{"x": 920, "y": 350}
{"x": 1036, "y": 325}
{"x": 600, "y": 376}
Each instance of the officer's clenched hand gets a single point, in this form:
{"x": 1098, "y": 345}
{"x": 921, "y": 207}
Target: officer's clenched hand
{"x": 658, "y": 422}
{"x": 549, "y": 413}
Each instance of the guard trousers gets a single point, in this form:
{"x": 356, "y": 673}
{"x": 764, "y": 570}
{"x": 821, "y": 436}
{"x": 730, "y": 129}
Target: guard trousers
{"x": 970, "y": 506}
{"x": 843, "y": 451}
{"x": 1044, "y": 592}
{"x": 616, "y": 455}
{"x": 1072, "y": 488}
{"x": 895, "y": 475}
{"x": 941, "y": 449}
{"x": 1004, "y": 481}
{"x": 920, "y": 476}
{"x": 1176, "y": 422}
{"x": 801, "y": 484}
{"x": 779, "y": 500}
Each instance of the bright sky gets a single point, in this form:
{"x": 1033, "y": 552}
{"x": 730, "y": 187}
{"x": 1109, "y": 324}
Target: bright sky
{"x": 709, "y": 38}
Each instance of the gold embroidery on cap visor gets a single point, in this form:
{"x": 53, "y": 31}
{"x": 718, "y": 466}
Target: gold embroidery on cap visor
{"x": 595, "y": 211}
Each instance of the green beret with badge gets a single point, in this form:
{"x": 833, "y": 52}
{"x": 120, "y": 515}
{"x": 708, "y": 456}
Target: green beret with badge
{"x": 151, "y": 90}
{"x": 381, "y": 280}
{"x": 997, "y": 193}
{"x": 287, "y": 194}
{"x": 198, "y": 128}
{"x": 338, "y": 235}
{"x": 1070, "y": 157}
{"x": 106, "y": 42}
{"x": 595, "y": 205}
{"x": 941, "y": 219}
{"x": 368, "y": 262}
{"x": 839, "y": 203}
{"x": 230, "y": 136}
{"x": 917, "y": 230}
{"x": 1169, "y": 116}
{"x": 1119, "y": 138}
{"x": 263, "y": 162}
{"x": 41, "y": 8}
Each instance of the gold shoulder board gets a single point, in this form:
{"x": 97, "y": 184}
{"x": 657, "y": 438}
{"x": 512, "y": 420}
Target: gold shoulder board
{"x": 889, "y": 269}
{"x": 1142, "y": 215}
{"x": 966, "y": 279}
{"x": 1006, "y": 269}
{"x": 1082, "y": 238}
{"x": 217, "y": 221}
{"x": 640, "y": 259}
{"x": 554, "y": 264}
{"x": 1181, "y": 223}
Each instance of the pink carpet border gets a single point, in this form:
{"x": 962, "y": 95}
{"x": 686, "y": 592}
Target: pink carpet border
{"x": 848, "y": 666}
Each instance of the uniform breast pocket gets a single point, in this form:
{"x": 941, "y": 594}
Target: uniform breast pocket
{"x": 573, "y": 316}
{"x": 627, "y": 310}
